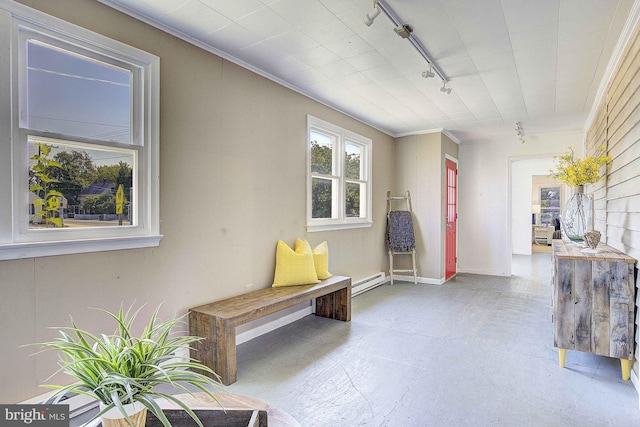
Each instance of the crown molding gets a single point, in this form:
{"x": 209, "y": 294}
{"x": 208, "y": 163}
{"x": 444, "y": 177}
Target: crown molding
{"x": 427, "y": 132}
{"x": 224, "y": 55}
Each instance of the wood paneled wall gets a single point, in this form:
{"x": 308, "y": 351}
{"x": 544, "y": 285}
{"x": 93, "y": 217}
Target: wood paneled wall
{"x": 597, "y": 137}
{"x": 617, "y": 127}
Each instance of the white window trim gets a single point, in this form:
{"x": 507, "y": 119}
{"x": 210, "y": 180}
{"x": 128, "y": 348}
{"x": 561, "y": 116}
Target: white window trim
{"x": 341, "y": 222}
{"x": 13, "y": 241}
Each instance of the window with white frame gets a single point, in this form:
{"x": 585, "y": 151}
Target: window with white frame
{"x": 339, "y": 177}
{"x": 78, "y": 139}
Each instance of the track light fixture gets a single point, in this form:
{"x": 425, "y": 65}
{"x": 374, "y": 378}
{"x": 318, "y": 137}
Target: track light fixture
{"x": 445, "y": 89}
{"x": 405, "y": 31}
{"x": 428, "y": 73}
{"x": 371, "y": 16}
{"x": 520, "y": 132}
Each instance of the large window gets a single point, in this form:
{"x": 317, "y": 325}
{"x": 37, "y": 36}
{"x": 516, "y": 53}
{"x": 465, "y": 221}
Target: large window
{"x": 78, "y": 139}
{"x": 339, "y": 185}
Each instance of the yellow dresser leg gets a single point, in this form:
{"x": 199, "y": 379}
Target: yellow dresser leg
{"x": 562, "y": 355}
{"x": 626, "y": 367}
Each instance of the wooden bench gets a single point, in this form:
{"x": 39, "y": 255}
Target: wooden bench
{"x": 216, "y": 322}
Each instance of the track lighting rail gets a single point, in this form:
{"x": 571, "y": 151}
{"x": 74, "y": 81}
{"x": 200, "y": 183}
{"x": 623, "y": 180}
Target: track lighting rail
{"x": 415, "y": 42}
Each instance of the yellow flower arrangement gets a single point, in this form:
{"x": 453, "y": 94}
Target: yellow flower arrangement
{"x": 574, "y": 171}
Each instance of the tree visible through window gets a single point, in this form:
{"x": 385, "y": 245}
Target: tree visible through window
{"x": 322, "y": 183}
{"x": 83, "y": 183}
{"x": 353, "y": 176}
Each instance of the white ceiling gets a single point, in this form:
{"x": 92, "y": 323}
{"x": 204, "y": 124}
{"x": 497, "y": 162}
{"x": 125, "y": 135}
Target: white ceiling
{"x": 539, "y": 62}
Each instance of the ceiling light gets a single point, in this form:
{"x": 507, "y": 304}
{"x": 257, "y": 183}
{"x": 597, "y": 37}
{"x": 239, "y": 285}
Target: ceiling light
{"x": 428, "y": 73}
{"x": 371, "y": 16}
{"x": 519, "y": 132}
{"x": 404, "y": 31}
{"x": 445, "y": 89}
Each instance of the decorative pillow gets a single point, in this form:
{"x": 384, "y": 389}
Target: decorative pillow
{"x": 320, "y": 259}
{"x": 294, "y": 267}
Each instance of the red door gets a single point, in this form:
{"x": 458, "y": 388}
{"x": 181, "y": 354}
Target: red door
{"x": 451, "y": 220}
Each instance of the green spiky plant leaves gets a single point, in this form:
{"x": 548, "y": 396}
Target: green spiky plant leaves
{"x": 120, "y": 369}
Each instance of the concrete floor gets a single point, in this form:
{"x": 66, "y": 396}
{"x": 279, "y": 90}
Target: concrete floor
{"x": 476, "y": 351}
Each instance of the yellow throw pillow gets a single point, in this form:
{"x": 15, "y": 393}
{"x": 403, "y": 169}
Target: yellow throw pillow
{"x": 320, "y": 259}
{"x": 294, "y": 267}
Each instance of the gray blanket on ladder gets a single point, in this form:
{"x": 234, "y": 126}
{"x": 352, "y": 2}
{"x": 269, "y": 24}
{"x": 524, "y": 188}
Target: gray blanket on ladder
{"x": 400, "y": 236}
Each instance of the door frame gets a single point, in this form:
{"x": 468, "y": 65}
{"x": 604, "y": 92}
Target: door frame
{"x": 444, "y": 260}
{"x": 510, "y": 201}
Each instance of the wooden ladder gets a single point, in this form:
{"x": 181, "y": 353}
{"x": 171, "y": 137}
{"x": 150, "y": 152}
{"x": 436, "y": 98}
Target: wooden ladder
{"x": 407, "y": 199}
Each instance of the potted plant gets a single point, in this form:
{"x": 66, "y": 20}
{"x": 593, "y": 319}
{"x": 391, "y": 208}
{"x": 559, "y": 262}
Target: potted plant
{"x": 122, "y": 371}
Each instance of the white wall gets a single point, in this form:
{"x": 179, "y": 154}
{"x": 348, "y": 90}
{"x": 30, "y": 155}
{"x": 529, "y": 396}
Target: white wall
{"x": 484, "y": 197}
{"x": 522, "y": 171}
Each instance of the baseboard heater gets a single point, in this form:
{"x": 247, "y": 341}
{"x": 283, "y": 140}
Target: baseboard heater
{"x": 78, "y": 403}
{"x": 368, "y": 283}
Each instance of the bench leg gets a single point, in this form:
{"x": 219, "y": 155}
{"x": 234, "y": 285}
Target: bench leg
{"x": 225, "y": 364}
{"x": 336, "y": 305}
{"x": 626, "y": 368}
{"x": 218, "y": 348}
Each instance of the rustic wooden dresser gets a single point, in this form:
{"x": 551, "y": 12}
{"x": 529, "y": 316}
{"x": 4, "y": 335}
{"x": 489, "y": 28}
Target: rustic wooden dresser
{"x": 593, "y": 302}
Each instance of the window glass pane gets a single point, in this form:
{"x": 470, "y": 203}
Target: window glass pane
{"x": 353, "y": 190}
{"x": 549, "y": 205}
{"x": 75, "y": 185}
{"x": 352, "y": 161}
{"x": 76, "y": 95}
{"x": 321, "y": 198}
{"x": 321, "y": 154}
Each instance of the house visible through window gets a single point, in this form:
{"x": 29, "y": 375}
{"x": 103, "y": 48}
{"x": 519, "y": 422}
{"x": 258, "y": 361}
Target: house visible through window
{"x": 339, "y": 189}
{"x": 83, "y": 140}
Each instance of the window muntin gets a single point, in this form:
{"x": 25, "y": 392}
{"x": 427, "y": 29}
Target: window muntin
{"x": 339, "y": 191}
{"x": 72, "y": 90}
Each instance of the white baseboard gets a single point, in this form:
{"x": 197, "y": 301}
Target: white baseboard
{"x": 482, "y": 272}
{"x": 425, "y": 280}
{"x": 273, "y": 325}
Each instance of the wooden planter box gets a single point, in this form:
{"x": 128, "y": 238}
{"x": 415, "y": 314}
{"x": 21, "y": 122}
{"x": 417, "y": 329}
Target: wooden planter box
{"x": 212, "y": 418}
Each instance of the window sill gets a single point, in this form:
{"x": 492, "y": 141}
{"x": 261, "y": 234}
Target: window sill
{"x": 42, "y": 249}
{"x": 342, "y": 226}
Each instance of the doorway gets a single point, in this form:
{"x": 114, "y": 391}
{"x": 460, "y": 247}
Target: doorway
{"x": 522, "y": 200}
